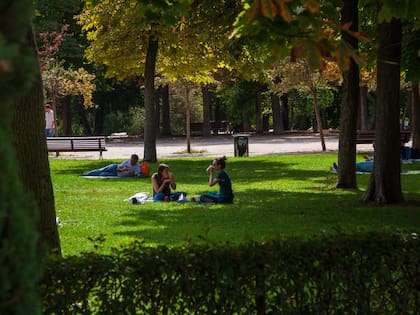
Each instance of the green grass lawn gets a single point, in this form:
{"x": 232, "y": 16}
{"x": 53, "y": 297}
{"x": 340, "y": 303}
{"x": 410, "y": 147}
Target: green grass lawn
{"x": 289, "y": 195}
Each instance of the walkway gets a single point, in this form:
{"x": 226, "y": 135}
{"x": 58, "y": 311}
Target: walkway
{"x": 218, "y": 146}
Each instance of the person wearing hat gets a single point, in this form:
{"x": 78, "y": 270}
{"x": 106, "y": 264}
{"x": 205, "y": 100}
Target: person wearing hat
{"x": 49, "y": 121}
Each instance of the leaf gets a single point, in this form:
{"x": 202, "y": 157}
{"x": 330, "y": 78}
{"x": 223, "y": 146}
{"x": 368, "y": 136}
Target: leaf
{"x": 267, "y": 9}
{"x": 313, "y": 6}
{"x": 254, "y": 10}
{"x": 284, "y": 11}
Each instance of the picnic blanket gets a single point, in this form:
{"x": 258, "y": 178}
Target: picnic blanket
{"x": 139, "y": 198}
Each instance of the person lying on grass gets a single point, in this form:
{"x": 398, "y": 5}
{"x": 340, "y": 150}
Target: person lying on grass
{"x": 162, "y": 182}
{"x": 128, "y": 168}
{"x": 225, "y": 194}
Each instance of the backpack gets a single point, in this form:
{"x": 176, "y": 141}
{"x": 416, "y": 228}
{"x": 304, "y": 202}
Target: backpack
{"x": 145, "y": 168}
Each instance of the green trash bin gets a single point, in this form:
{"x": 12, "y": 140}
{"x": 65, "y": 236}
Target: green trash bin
{"x": 241, "y": 146}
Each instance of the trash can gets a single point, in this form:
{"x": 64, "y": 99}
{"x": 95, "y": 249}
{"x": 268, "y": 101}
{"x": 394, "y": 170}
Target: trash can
{"x": 241, "y": 147}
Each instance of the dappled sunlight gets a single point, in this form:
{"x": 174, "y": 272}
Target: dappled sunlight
{"x": 276, "y": 196}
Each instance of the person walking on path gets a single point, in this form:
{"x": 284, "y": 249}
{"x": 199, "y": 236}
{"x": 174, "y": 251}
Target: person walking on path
{"x": 49, "y": 121}
{"x": 225, "y": 194}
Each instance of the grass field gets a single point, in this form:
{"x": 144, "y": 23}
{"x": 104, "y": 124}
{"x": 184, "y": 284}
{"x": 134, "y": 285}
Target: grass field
{"x": 275, "y": 196}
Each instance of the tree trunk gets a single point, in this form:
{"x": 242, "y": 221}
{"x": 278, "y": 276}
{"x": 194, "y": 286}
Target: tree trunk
{"x": 206, "y": 110}
{"x": 158, "y": 93}
{"x": 415, "y": 116}
{"x": 20, "y": 260}
{"x": 99, "y": 120}
{"x": 188, "y": 116}
{"x": 385, "y": 182}
{"x": 31, "y": 152}
{"x": 349, "y": 106}
{"x": 318, "y": 119}
{"x": 278, "y": 126}
{"x": 166, "y": 117}
{"x": 149, "y": 101}
{"x": 258, "y": 112}
{"x": 66, "y": 116}
{"x": 284, "y": 106}
{"x": 364, "y": 112}
{"x": 84, "y": 121}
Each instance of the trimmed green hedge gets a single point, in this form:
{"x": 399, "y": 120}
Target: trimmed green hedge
{"x": 357, "y": 274}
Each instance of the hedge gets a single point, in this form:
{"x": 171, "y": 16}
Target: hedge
{"x": 344, "y": 274}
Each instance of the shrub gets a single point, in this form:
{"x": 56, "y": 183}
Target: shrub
{"x": 357, "y": 274}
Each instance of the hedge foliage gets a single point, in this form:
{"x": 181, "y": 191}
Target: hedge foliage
{"x": 357, "y": 274}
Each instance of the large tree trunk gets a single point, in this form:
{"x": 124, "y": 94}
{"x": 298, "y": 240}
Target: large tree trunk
{"x": 166, "y": 118}
{"x": 385, "y": 182}
{"x": 415, "y": 116}
{"x": 206, "y": 110}
{"x": 31, "y": 152}
{"x": 349, "y": 107}
{"x": 20, "y": 260}
{"x": 149, "y": 101}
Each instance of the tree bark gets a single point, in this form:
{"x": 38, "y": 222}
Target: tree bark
{"x": 166, "y": 118}
{"x": 20, "y": 260}
{"x": 31, "y": 152}
{"x": 66, "y": 116}
{"x": 188, "y": 115}
{"x": 258, "y": 112}
{"x": 349, "y": 106}
{"x": 278, "y": 126}
{"x": 415, "y": 116}
{"x": 206, "y": 110}
{"x": 385, "y": 182}
{"x": 149, "y": 101}
{"x": 284, "y": 107}
{"x": 364, "y": 112}
{"x": 158, "y": 94}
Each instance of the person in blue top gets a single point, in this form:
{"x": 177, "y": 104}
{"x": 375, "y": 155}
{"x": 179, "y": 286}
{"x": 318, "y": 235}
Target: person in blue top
{"x": 225, "y": 194}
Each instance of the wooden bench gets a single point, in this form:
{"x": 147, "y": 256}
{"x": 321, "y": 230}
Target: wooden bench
{"x": 76, "y": 144}
{"x": 216, "y": 127}
{"x": 368, "y": 136}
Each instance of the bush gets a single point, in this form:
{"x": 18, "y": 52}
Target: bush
{"x": 358, "y": 274}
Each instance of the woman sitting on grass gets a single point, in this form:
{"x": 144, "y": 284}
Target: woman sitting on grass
{"x": 225, "y": 194}
{"x": 162, "y": 182}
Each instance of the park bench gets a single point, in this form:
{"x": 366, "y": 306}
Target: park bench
{"x": 76, "y": 144}
{"x": 368, "y": 136}
{"x": 216, "y": 127}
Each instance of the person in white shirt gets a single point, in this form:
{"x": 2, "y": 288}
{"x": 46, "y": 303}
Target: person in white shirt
{"x": 128, "y": 168}
{"x": 49, "y": 121}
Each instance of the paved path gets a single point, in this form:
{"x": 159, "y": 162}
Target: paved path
{"x": 218, "y": 146}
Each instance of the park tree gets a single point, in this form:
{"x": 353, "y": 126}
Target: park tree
{"x": 350, "y": 103}
{"x": 59, "y": 81}
{"x": 292, "y": 75}
{"x": 385, "y": 182}
{"x": 302, "y": 28}
{"x": 20, "y": 256}
{"x": 126, "y": 37}
{"x": 32, "y": 154}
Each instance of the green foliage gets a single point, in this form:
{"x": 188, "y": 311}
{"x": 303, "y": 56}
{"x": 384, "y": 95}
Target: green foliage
{"x": 344, "y": 274}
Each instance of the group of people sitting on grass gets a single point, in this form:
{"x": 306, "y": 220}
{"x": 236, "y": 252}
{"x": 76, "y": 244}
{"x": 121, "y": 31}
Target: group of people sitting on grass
{"x": 163, "y": 180}
{"x": 406, "y": 154}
